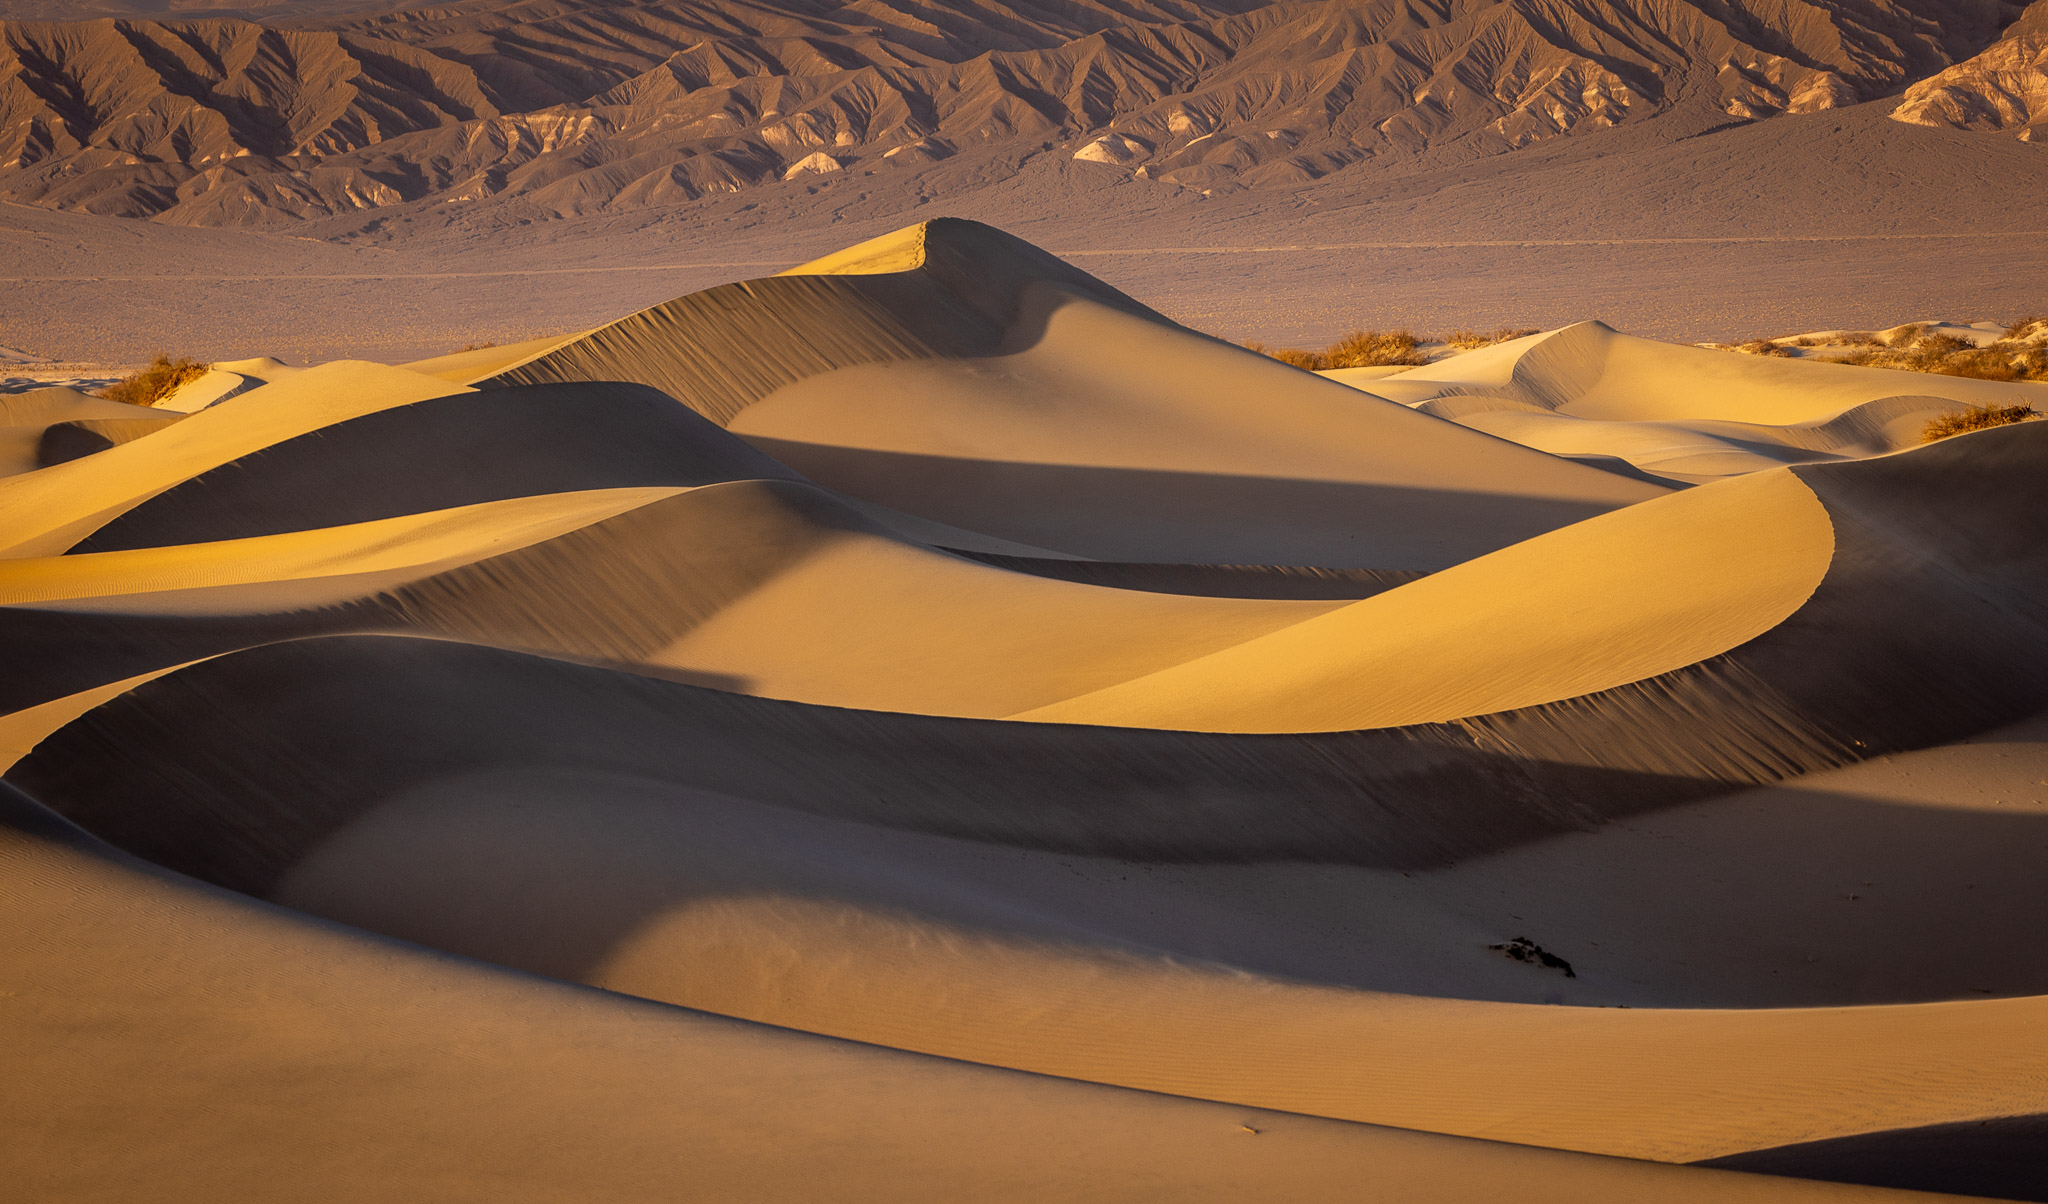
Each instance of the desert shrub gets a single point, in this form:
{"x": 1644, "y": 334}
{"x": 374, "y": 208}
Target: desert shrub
{"x": 1975, "y": 418}
{"x": 2027, "y": 326}
{"x": 1763, "y": 347}
{"x": 1937, "y": 345}
{"x": 1308, "y": 361}
{"x": 1948, "y": 356}
{"x": 1384, "y": 348}
{"x": 1472, "y": 340}
{"x": 1375, "y": 349}
{"x": 1986, "y": 364}
{"x": 158, "y": 380}
{"x": 1904, "y": 336}
{"x": 474, "y": 347}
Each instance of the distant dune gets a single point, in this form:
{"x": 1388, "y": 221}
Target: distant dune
{"x": 925, "y": 724}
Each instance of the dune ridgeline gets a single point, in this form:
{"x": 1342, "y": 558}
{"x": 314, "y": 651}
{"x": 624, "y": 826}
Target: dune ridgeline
{"x": 925, "y": 725}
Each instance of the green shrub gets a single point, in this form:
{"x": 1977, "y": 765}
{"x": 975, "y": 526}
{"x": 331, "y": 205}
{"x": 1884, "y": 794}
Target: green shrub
{"x": 159, "y": 380}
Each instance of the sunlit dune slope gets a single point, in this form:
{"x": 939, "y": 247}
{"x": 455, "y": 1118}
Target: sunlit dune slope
{"x": 1797, "y": 696}
{"x": 1683, "y": 414}
{"x": 226, "y": 1007}
{"x": 47, "y": 512}
{"x": 1595, "y": 605}
{"x": 26, "y": 420}
{"x": 1739, "y": 1081}
{"x": 953, "y": 372}
{"x": 926, "y": 725}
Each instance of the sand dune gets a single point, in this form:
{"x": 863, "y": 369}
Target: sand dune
{"x": 1682, "y": 414}
{"x": 49, "y": 511}
{"x": 982, "y": 739}
{"x": 952, "y": 373}
{"x": 609, "y": 1095}
{"x": 32, "y": 423}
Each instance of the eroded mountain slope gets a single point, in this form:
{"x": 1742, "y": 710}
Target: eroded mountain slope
{"x": 582, "y": 106}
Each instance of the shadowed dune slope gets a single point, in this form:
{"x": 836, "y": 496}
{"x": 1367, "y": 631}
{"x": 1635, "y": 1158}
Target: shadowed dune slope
{"x": 606, "y": 1097}
{"x": 27, "y": 420}
{"x": 1599, "y": 604}
{"x": 940, "y": 288}
{"x": 443, "y": 452}
{"x": 768, "y": 587}
{"x": 1910, "y": 542}
{"x": 952, "y": 372}
{"x": 925, "y": 725}
{"x": 48, "y": 511}
{"x": 1681, "y": 669}
{"x": 1722, "y": 1081}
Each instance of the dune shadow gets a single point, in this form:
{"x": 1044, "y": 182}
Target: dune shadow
{"x": 1273, "y": 581}
{"x": 2005, "y": 1158}
{"x": 192, "y": 770}
{"x": 1162, "y": 516}
{"x": 441, "y": 453}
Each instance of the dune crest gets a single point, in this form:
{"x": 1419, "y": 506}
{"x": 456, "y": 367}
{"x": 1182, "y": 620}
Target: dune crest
{"x": 1683, "y": 415}
{"x": 925, "y": 724}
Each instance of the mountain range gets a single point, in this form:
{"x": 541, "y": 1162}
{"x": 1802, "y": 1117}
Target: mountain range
{"x": 283, "y": 112}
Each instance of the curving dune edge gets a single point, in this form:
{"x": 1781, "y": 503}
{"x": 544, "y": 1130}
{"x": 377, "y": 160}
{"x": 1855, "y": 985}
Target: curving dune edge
{"x": 926, "y": 724}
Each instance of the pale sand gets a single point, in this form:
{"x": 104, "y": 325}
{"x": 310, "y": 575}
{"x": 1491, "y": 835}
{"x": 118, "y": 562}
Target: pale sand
{"x": 462, "y": 367}
{"x": 1598, "y": 604}
{"x": 46, "y": 512}
{"x": 1682, "y": 414}
{"x": 283, "y": 1059}
{"x": 953, "y": 373}
{"x": 865, "y": 939}
{"x": 25, "y": 416}
{"x": 717, "y": 718}
{"x": 170, "y": 579}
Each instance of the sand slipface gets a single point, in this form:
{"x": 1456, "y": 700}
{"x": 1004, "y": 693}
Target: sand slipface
{"x": 926, "y": 724}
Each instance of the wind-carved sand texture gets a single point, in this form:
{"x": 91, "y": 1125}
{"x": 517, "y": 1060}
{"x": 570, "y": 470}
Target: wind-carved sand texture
{"x": 927, "y": 725}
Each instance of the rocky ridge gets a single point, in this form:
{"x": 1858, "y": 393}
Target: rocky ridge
{"x": 606, "y": 105}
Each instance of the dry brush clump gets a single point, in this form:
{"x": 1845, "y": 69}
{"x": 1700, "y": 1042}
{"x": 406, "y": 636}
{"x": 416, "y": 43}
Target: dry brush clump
{"x": 162, "y": 377}
{"x": 1376, "y": 349}
{"x": 1975, "y": 418}
{"x": 2020, "y": 354}
{"x": 1383, "y": 348}
{"x": 1764, "y": 347}
{"x": 1472, "y": 340}
{"x": 1307, "y": 361}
